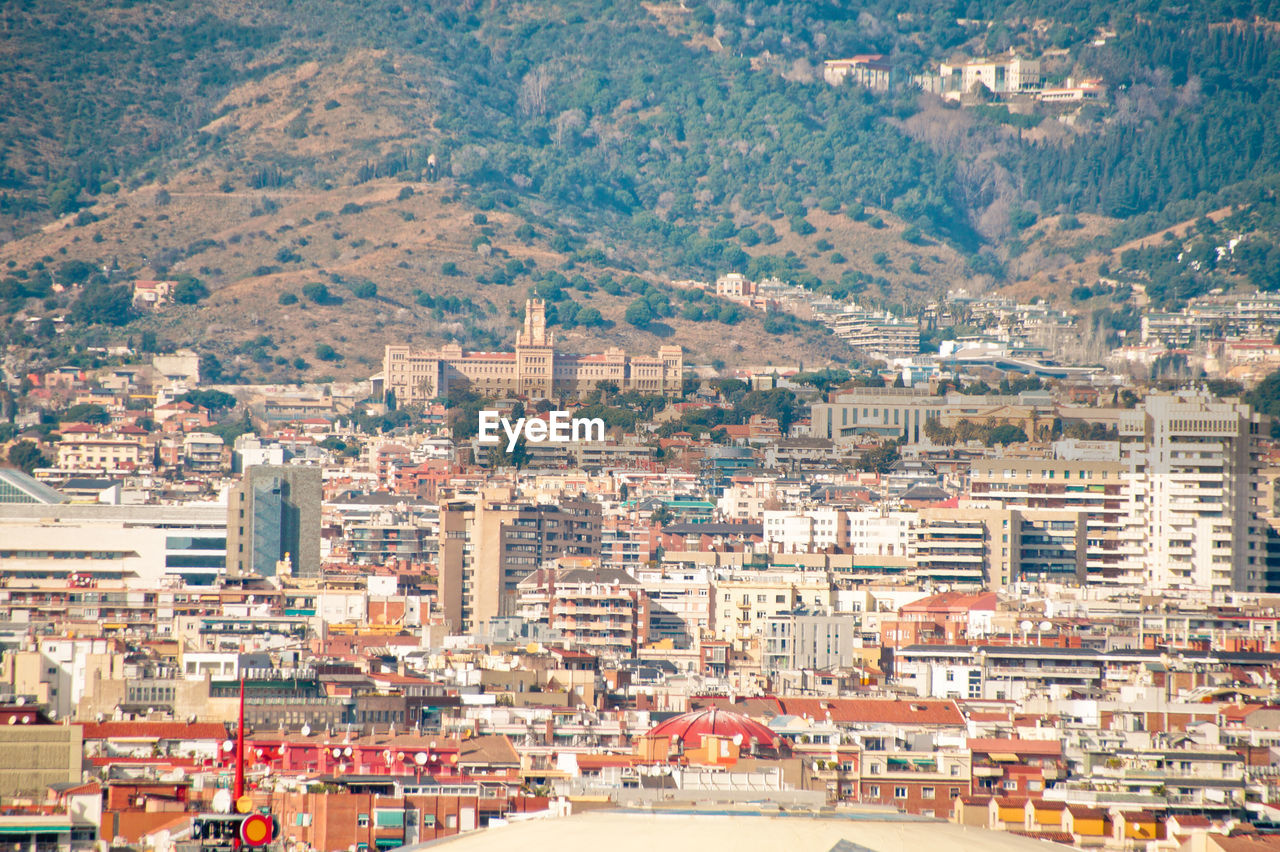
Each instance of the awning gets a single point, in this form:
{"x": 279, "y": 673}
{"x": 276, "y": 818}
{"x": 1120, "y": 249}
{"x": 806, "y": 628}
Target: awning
{"x": 1003, "y": 757}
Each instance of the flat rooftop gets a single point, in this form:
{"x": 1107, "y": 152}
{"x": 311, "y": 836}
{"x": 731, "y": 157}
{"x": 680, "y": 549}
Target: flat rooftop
{"x": 741, "y": 829}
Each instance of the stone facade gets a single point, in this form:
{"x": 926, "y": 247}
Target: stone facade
{"x": 535, "y": 369}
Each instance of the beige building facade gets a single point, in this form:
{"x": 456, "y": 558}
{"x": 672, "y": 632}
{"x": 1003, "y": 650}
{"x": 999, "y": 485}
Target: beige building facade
{"x": 535, "y": 369}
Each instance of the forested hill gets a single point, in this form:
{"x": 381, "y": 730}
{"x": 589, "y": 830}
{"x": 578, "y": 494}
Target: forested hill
{"x": 625, "y": 141}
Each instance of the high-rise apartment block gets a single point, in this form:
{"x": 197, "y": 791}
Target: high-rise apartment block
{"x": 273, "y": 513}
{"x": 488, "y": 545}
{"x": 1193, "y": 505}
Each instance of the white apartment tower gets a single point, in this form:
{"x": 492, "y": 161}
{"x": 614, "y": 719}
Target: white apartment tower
{"x": 1193, "y": 502}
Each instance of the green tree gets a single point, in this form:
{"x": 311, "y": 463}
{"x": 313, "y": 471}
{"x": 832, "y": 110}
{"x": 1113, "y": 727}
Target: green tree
{"x": 26, "y": 456}
{"x": 639, "y": 313}
{"x": 190, "y": 291}
{"x": 86, "y": 413}
{"x": 879, "y": 459}
{"x": 103, "y": 305}
{"x": 1006, "y": 434}
{"x": 213, "y": 400}
{"x": 210, "y": 367}
{"x": 317, "y": 292}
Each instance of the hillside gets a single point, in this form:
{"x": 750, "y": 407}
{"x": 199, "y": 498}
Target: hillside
{"x": 432, "y": 169}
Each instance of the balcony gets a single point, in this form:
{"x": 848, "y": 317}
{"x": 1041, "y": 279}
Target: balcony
{"x": 1090, "y": 672}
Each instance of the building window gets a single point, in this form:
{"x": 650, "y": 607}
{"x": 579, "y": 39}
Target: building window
{"x": 926, "y": 792}
{"x": 362, "y": 820}
{"x": 899, "y": 792}
{"x": 873, "y": 791}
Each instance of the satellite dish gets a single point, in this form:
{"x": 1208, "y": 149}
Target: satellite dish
{"x": 347, "y": 751}
{"x": 337, "y": 752}
{"x": 1046, "y": 625}
{"x": 399, "y": 755}
{"x": 20, "y": 700}
{"x": 1026, "y": 625}
{"x": 222, "y": 801}
{"x": 306, "y": 730}
{"x": 420, "y": 758}
{"x": 228, "y": 745}
{"x": 737, "y": 739}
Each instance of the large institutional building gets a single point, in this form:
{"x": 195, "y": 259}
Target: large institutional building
{"x": 534, "y": 369}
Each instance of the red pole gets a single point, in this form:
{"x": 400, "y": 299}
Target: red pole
{"x": 238, "y": 790}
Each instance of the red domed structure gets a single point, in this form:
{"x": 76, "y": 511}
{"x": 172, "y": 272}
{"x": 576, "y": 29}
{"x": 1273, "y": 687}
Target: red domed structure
{"x": 689, "y": 728}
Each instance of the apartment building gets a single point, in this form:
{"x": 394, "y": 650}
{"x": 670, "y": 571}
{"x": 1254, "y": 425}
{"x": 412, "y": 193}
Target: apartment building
{"x": 996, "y": 672}
{"x": 681, "y": 602}
{"x": 918, "y": 782}
{"x": 747, "y": 599}
{"x": 878, "y": 335}
{"x": 805, "y": 640}
{"x": 1194, "y": 502}
{"x": 99, "y": 453}
{"x": 995, "y": 547}
{"x": 602, "y": 611}
{"x": 808, "y": 531}
{"x": 1099, "y": 489}
{"x": 488, "y": 545}
{"x": 273, "y": 518}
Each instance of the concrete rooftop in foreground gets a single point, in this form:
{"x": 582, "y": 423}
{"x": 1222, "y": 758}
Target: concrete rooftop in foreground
{"x": 741, "y": 831}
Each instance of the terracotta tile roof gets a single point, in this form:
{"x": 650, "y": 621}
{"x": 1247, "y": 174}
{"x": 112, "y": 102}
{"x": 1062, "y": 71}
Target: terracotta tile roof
{"x": 494, "y": 749}
{"x": 599, "y": 761}
{"x": 976, "y": 800}
{"x": 1248, "y": 843}
{"x": 1085, "y": 812}
{"x": 1051, "y": 836}
{"x": 155, "y": 730}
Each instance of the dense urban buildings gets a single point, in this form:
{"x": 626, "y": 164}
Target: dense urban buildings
{"x": 975, "y": 586}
